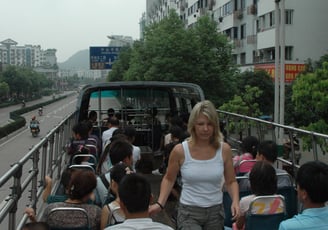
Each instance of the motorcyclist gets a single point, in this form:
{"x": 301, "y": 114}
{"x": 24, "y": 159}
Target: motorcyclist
{"x": 23, "y": 103}
{"x": 34, "y": 123}
{"x": 41, "y": 110}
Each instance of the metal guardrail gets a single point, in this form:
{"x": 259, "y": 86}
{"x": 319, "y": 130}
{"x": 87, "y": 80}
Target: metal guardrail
{"x": 47, "y": 159}
{"x": 266, "y": 130}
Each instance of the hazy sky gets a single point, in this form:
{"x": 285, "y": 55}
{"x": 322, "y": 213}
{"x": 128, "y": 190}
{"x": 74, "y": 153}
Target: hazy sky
{"x": 69, "y": 25}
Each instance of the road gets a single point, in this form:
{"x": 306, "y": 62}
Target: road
{"x": 15, "y": 146}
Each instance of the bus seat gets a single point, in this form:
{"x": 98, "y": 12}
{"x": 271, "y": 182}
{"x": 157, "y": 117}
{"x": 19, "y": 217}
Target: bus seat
{"x": 77, "y": 158}
{"x": 269, "y": 221}
{"x": 79, "y": 212}
{"x": 83, "y": 167}
{"x": 227, "y": 202}
{"x": 290, "y": 195}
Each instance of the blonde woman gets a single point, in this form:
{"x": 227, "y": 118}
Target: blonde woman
{"x": 204, "y": 161}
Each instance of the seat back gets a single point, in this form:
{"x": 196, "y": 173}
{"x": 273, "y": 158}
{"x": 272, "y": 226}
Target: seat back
{"x": 84, "y": 167}
{"x": 78, "y": 215}
{"x": 227, "y": 202}
{"x": 267, "y": 220}
{"x": 77, "y": 158}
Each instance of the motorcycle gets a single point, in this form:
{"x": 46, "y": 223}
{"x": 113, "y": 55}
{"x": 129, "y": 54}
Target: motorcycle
{"x": 35, "y": 130}
{"x": 40, "y": 112}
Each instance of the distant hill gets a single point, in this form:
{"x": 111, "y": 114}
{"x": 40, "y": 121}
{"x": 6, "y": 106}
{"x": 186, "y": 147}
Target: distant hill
{"x": 79, "y": 60}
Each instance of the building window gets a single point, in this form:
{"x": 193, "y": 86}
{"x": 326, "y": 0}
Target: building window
{"x": 227, "y": 9}
{"x": 235, "y": 32}
{"x": 289, "y": 16}
{"x": 243, "y": 58}
{"x": 271, "y": 19}
{"x": 242, "y": 4}
{"x": 243, "y": 31}
{"x": 289, "y": 53}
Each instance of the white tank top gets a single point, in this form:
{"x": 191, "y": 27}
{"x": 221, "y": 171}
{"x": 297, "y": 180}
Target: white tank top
{"x": 201, "y": 179}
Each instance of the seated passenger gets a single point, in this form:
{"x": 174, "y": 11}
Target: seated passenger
{"x": 312, "y": 192}
{"x": 268, "y": 152}
{"x": 111, "y": 213}
{"x": 249, "y": 147}
{"x": 263, "y": 182}
{"x": 120, "y": 151}
{"x": 135, "y": 196}
{"x": 81, "y": 187}
{"x": 130, "y": 133}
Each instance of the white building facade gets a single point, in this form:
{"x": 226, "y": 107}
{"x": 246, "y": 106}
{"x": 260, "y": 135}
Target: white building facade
{"x": 250, "y": 27}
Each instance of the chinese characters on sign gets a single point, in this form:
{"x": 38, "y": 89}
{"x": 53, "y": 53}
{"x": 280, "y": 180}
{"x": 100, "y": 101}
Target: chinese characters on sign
{"x": 103, "y": 57}
{"x": 291, "y": 70}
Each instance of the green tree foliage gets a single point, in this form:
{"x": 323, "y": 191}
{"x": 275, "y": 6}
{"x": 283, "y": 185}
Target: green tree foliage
{"x": 245, "y": 103}
{"x": 310, "y": 99}
{"x": 169, "y": 52}
{"x": 121, "y": 65}
{"x": 4, "y": 89}
{"x": 262, "y": 80}
{"x": 24, "y": 82}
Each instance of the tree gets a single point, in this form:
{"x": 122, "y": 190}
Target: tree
{"x": 262, "y": 80}
{"x": 4, "y": 90}
{"x": 121, "y": 64}
{"x": 169, "y": 52}
{"x": 310, "y": 99}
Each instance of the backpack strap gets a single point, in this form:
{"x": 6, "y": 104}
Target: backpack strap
{"x": 104, "y": 180}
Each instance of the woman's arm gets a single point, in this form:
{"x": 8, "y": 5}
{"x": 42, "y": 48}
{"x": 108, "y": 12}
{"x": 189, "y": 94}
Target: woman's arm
{"x": 175, "y": 161}
{"x": 230, "y": 180}
{"x": 47, "y": 190}
{"x": 104, "y": 217}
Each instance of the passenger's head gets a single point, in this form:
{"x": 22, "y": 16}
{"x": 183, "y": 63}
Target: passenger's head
{"x": 82, "y": 183}
{"x": 110, "y": 112}
{"x": 207, "y": 109}
{"x": 117, "y": 172}
{"x": 66, "y": 177}
{"x": 268, "y": 151}
{"x": 312, "y": 182}
{"x": 36, "y": 226}
{"x": 130, "y": 133}
{"x": 113, "y": 122}
{"x": 176, "y": 133}
{"x": 135, "y": 193}
{"x": 81, "y": 131}
{"x": 92, "y": 116}
{"x": 250, "y": 145}
{"x": 263, "y": 179}
{"x": 120, "y": 150}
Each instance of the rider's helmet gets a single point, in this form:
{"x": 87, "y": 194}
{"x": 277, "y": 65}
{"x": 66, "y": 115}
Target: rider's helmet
{"x": 33, "y": 118}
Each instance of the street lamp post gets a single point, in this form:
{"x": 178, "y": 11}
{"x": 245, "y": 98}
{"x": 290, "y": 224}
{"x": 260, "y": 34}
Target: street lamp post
{"x": 279, "y": 99}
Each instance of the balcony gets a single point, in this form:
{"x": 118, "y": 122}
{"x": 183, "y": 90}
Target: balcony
{"x": 238, "y": 14}
{"x": 252, "y": 9}
{"x": 251, "y": 39}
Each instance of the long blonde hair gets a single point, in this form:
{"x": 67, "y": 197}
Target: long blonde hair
{"x": 206, "y": 108}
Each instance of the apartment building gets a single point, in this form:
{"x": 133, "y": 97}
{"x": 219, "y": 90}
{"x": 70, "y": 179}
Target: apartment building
{"x": 250, "y": 27}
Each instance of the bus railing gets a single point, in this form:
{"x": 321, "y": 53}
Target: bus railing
{"x": 27, "y": 175}
{"x": 309, "y": 145}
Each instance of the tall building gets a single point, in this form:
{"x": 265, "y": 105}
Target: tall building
{"x": 32, "y": 56}
{"x": 250, "y": 27}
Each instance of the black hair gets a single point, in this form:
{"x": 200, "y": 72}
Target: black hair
{"x": 118, "y": 171}
{"x": 269, "y": 150}
{"x": 176, "y": 132}
{"x": 134, "y": 192}
{"x": 114, "y": 121}
{"x": 82, "y": 183}
{"x": 313, "y": 178}
{"x": 36, "y": 226}
{"x": 82, "y": 129}
{"x": 92, "y": 114}
{"x": 263, "y": 179}
{"x": 66, "y": 177}
{"x": 119, "y": 150}
{"x": 110, "y": 112}
{"x": 250, "y": 145}
{"x": 130, "y": 132}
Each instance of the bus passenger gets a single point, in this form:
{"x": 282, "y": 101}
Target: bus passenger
{"x": 130, "y": 133}
{"x": 312, "y": 192}
{"x": 204, "y": 161}
{"x": 267, "y": 151}
{"x": 263, "y": 182}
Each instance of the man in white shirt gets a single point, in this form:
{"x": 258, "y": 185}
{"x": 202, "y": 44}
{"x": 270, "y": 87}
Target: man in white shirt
{"x": 113, "y": 124}
{"x": 135, "y": 195}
